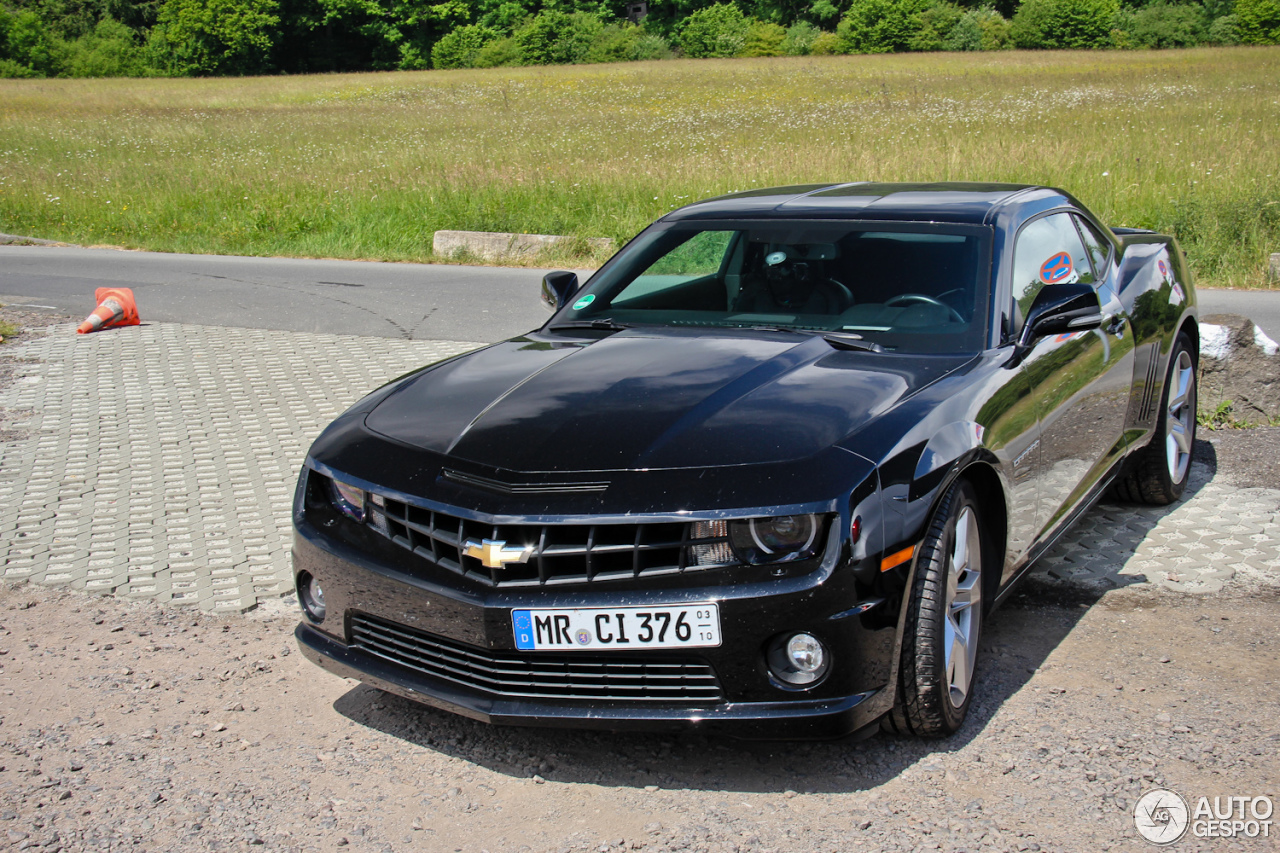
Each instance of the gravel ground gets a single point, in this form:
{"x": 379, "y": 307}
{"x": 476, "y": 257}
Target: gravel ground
{"x": 129, "y": 726}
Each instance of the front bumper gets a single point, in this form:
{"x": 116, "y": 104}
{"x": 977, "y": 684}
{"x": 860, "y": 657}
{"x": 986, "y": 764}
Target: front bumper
{"x": 812, "y": 718}
{"x": 367, "y": 577}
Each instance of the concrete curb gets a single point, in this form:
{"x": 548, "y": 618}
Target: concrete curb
{"x": 492, "y": 245}
{"x": 17, "y": 240}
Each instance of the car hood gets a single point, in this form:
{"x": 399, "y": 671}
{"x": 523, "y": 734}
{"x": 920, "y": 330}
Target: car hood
{"x": 645, "y": 399}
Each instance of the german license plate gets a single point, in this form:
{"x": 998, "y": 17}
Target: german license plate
{"x": 685, "y": 626}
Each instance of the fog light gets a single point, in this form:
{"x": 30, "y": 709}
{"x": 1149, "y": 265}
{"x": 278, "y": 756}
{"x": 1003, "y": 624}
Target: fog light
{"x": 311, "y": 597}
{"x": 798, "y": 660}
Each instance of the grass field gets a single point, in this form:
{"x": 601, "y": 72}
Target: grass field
{"x": 368, "y": 166}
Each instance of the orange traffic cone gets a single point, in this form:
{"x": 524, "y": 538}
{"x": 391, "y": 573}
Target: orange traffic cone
{"x": 115, "y": 308}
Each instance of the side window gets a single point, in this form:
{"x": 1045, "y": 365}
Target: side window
{"x": 1048, "y": 251}
{"x": 699, "y": 256}
{"x": 1099, "y": 248}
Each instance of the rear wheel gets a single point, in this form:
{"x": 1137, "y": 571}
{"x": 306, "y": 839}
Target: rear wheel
{"x": 1158, "y": 473}
{"x": 944, "y": 621}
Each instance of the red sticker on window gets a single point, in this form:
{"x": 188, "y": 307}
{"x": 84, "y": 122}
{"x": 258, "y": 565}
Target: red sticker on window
{"x": 1056, "y": 269}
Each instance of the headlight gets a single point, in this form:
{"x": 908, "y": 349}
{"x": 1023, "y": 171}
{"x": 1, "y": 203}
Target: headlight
{"x": 348, "y": 499}
{"x": 774, "y": 540}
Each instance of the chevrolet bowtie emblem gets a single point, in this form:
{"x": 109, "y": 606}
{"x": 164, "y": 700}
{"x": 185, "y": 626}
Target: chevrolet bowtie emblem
{"x": 494, "y": 553}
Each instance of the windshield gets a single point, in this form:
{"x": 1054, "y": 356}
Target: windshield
{"x": 908, "y": 287}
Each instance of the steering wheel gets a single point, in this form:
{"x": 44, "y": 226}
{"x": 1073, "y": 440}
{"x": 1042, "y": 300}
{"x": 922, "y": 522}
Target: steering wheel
{"x": 913, "y": 298}
{"x": 841, "y": 296}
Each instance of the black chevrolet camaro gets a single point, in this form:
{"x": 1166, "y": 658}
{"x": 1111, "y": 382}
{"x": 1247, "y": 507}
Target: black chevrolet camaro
{"x": 765, "y": 473}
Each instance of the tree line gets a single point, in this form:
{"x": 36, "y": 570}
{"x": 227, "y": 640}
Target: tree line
{"x": 113, "y": 38}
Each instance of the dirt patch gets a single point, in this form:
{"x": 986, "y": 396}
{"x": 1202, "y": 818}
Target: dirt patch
{"x": 1249, "y": 458}
{"x": 131, "y": 726}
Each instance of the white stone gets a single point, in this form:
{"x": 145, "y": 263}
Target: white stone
{"x": 1264, "y": 343}
{"x": 1215, "y": 341}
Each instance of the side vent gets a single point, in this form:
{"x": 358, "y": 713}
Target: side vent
{"x": 1147, "y": 409}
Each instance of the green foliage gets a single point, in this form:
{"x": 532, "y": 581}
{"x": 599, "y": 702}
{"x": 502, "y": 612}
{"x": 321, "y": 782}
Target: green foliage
{"x": 826, "y": 44}
{"x": 110, "y": 50}
{"x": 626, "y": 42}
{"x": 1224, "y": 31}
{"x": 799, "y": 38}
{"x": 202, "y": 37}
{"x": 881, "y": 26}
{"x": 651, "y": 46}
{"x": 716, "y": 31}
{"x": 936, "y": 24}
{"x": 614, "y": 43}
{"x": 10, "y": 68}
{"x": 980, "y": 29}
{"x": 1259, "y": 21}
{"x": 91, "y": 38}
{"x": 458, "y": 49}
{"x": 1042, "y": 24}
{"x": 824, "y": 13}
{"x": 1159, "y": 26}
{"x": 26, "y": 47}
{"x": 763, "y": 39}
{"x": 505, "y": 17}
{"x": 1223, "y": 416}
{"x": 68, "y": 20}
{"x": 995, "y": 28}
{"x": 499, "y": 53}
{"x": 966, "y": 34}
{"x": 557, "y": 38}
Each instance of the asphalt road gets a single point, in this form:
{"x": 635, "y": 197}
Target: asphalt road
{"x": 417, "y": 301}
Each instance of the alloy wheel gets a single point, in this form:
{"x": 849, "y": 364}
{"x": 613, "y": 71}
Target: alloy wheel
{"x": 964, "y": 606}
{"x": 1180, "y": 417}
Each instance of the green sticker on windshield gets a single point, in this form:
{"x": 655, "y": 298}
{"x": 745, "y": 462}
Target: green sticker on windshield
{"x": 584, "y": 302}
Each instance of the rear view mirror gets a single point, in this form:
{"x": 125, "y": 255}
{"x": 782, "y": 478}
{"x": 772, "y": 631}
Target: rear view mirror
{"x": 557, "y": 287}
{"x": 1062, "y": 308}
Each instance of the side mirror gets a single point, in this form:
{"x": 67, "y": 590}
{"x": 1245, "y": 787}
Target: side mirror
{"x": 557, "y": 287}
{"x": 1061, "y": 308}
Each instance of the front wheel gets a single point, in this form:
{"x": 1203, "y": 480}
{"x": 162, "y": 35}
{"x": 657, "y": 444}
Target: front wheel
{"x": 1159, "y": 472}
{"x": 944, "y": 621}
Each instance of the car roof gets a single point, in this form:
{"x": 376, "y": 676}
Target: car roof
{"x": 930, "y": 202}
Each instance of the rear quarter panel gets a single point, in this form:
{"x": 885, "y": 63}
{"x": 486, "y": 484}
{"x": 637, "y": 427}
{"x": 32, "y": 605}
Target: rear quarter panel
{"x": 1156, "y": 289}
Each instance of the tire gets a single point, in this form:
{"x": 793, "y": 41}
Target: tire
{"x": 1158, "y": 473}
{"x": 944, "y": 621}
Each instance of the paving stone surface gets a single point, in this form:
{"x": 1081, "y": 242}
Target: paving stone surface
{"x": 1215, "y": 533}
{"x": 159, "y": 461}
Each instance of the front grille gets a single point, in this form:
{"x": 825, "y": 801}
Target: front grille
{"x": 553, "y": 553}
{"x": 537, "y": 676}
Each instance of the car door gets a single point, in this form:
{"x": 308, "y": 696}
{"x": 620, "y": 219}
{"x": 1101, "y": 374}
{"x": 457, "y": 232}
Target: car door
{"x": 1079, "y": 380}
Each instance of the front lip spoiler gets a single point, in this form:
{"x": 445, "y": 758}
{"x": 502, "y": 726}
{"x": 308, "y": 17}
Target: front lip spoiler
{"x": 813, "y": 718}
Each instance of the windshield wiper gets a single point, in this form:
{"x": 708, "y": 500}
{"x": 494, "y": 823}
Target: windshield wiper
{"x": 839, "y": 340}
{"x": 854, "y": 342}
{"x": 598, "y": 323}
